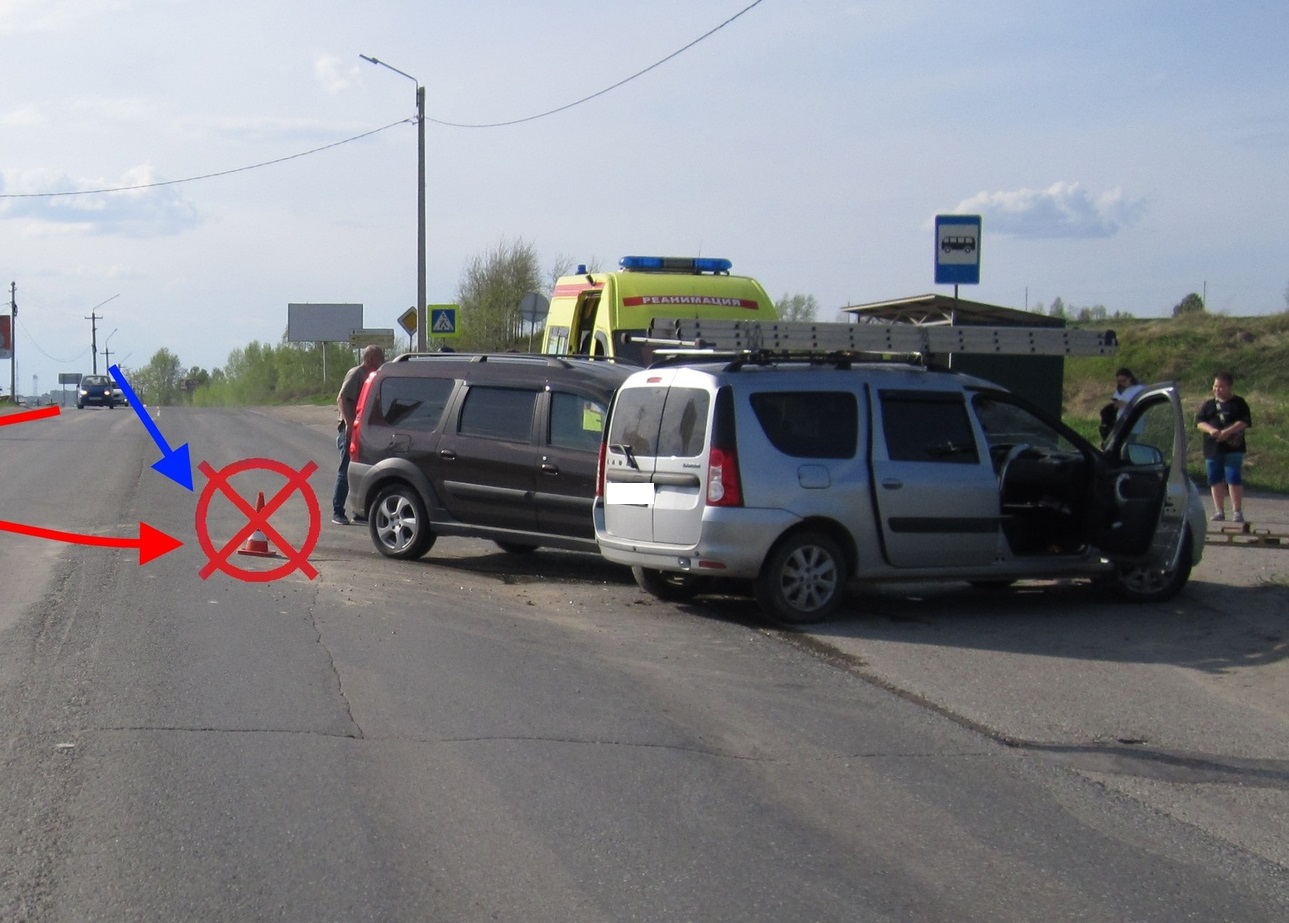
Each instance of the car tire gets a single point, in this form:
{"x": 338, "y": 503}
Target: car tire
{"x": 803, "y": 579}
{"x": 1152, "y": 585}
{"x": 516, "y": 547}
{"x": 399, "y": 524}
{"x": 669, "y": 586}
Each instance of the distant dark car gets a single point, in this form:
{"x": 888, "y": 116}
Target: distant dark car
{"x": 97, "y": 391}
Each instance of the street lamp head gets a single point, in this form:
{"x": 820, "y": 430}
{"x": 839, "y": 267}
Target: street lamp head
{"x": 369, "y": 58}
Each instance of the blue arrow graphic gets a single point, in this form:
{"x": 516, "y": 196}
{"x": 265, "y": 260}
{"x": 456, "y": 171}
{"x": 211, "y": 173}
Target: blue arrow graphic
{"x": 175, "y": 463}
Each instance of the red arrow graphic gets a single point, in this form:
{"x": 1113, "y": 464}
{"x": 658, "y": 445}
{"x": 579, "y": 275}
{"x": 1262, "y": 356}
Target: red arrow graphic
{"x": 50, "y": 411}
{"x": 152, "y": 543}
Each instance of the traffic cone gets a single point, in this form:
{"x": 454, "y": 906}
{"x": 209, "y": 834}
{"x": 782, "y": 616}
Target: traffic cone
{"x": 258, "y": 543}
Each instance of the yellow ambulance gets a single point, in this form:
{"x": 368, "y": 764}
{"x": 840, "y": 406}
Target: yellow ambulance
{"x": 592, "y": 313}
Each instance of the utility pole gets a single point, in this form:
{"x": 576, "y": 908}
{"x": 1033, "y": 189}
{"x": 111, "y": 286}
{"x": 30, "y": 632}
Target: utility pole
{"x": 93, "y": 318}
{"x": 13, "y": 342}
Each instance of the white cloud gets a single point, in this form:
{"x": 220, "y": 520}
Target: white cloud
{"x": 24, "y": 117}
{"x": 121, "y": 110}
{"x": 25, "y": 16}
{"x": 335, "y": 74}
{"x": 1061, "y": 210}
{"x": 153, "y": 211}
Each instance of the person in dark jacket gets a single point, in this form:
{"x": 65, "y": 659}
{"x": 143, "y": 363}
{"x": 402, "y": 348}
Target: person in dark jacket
{"x": 1223, "y": 420}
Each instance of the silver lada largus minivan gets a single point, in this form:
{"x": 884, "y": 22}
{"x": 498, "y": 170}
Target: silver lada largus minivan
{"x": 801, "y": 475}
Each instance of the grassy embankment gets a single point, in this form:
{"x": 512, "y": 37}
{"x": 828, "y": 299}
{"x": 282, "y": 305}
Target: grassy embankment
{"x": 1189, "y": 350}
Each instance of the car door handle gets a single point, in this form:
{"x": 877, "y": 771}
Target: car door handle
{"x": 550, "y": 468}
{"x": 447, "y": 454}
{"x": 892, "y": 483}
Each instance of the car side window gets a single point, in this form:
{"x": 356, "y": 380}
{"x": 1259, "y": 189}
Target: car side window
{"x": 928, "y": 426}
{"x": 1150, "y": 439}
{"x": 576, "y": 422}
{"x": 1007, "y": 424}
{"x": 498, "y": 413}
{"x": 414, "y": 403}
{"x": 809, "y": 424}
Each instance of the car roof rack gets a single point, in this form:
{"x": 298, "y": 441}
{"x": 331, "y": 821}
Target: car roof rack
{"x": 563, "y": 362}
{"x": 739, "y": 358}
{"x": 873, "y": 340}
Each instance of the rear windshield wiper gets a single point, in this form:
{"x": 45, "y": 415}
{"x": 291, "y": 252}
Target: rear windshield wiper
{"x": 625, "y": 450}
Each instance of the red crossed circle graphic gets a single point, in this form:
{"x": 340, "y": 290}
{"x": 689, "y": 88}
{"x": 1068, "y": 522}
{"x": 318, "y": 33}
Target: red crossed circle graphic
{"x": 258, "y": 520}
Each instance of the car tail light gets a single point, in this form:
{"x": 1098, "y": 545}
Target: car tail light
{"x": 359, "y": 410}
{"x": 724, "y": 486}
{"x": 599, "y": 469}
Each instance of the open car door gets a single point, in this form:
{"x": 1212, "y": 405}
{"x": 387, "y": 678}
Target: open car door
{"x": 1141, "y": 486}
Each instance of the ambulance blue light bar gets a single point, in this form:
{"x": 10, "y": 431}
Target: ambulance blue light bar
{"x": 675, "y": 264}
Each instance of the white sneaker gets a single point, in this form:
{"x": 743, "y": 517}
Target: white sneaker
{"x": 1219, "y": 516}
{"x": 1238, "y": 517}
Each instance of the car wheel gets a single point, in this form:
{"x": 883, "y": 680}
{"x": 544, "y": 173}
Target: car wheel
{"x": 1153, "y": 584}
{"x": 669, "y": 586}
{"x": 399, "y": 525}
{"x": 803, "y": 579}
{"x": 515, "y": 547}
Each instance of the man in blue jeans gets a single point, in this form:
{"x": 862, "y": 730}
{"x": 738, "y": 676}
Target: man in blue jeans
{"x": 1223, "y": 420}
{"x": 347, "y": 404}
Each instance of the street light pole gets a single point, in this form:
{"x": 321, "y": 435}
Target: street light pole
{"x": 421, "y": 320}
{"x": 107, "y": 353}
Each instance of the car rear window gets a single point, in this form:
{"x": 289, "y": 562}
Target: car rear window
{"x": 809, "y": 424}
{"x": 414, "y": 403}
{"x": 661, "y": 422}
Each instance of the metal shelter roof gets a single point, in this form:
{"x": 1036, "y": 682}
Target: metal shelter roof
{"x": 934, "y": 309}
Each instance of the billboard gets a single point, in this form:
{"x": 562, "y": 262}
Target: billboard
{"x": 322, "y": 323}
{"x": 6, "y": 337}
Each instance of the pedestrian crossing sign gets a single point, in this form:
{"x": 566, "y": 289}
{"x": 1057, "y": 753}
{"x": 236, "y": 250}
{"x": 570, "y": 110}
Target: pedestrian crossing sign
{"x": 443, "y": 320}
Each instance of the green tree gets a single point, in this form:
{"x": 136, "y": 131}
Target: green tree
{"x": 1057, "y": 309}
{"x": 797, "y": 307}
{"x": 158, "y": 382}
{"x": 1096, "y": 312}
{"x": 491, "y": 289}
{"x": 1191, "y": 304}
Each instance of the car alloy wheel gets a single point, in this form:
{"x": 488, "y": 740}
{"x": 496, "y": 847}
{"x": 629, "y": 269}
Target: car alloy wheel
{"x": 803, "y": 579}
{"x": 399, "y": 525}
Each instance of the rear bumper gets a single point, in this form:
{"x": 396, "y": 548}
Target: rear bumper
{"x": 733, "y": 543}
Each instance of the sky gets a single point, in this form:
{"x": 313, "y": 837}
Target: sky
{"x": 1121, "y": 154}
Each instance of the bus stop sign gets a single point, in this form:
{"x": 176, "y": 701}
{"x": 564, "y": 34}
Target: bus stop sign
{"x": 957, "y": 249}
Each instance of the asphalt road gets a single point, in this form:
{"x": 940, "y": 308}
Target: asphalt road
{"x": 480, "y": 736}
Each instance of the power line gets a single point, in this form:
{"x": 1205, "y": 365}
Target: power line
{"x": 193, "y": 179}
{"x": 268, "y": 163}
{"x": 625, "y": 80}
